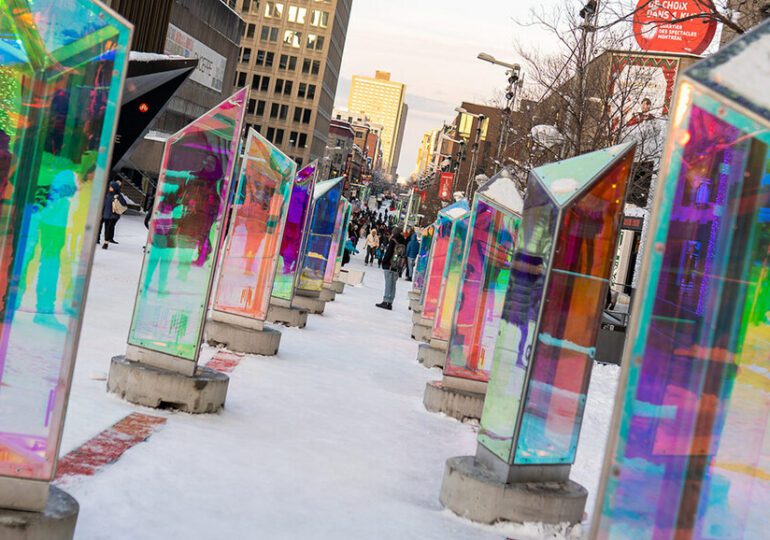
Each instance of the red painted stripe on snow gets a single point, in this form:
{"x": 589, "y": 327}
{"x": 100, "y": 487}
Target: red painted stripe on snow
{"x": 108, "y": 446}
{"x": 225, "y": 361}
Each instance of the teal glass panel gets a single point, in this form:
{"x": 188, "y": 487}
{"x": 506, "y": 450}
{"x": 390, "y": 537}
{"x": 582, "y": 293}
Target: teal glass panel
{"x": 62, "y": 69}
{"x": 257, "y": 218}
{"x": 326, "y": 202}
{"x": 294, "y": 231}
{"x": 185, "y": 230}
{"x": 450, "y": 281}
{"x": 339, "y": 224}
{"x": 485, "y": 275}
{"x": 553, "y": 307}
{"x": 421, "y": 264}
{"x": 689, "y": 454}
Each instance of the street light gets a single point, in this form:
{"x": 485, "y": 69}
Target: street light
{"x": 492, "y": 60}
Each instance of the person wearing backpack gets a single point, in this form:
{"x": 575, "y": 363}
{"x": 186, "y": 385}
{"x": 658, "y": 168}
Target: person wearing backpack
{"x": 393, "y": 263}
{"x": 113, "y": 207}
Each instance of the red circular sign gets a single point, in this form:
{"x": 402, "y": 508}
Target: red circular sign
{"x": 668, "y": 26}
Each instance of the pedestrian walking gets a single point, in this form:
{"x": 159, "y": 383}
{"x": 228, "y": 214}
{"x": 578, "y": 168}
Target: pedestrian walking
{"x": 393, "y": 262}
{"x": 112, "y": 208}
{"x": 412, "y": 250}
{"x": 372, "y": 244}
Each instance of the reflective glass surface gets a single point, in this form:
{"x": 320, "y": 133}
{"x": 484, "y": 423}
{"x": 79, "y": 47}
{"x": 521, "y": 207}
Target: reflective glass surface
{"x": 62, "y": 67}
{"x": 257, "y": 215}
{"x": 340, "y": 228}
{"x": 326, "y": 202}
{"x": 450, "y": 282}
{"x": 185, "y": 231}
{"x": 297, "y": 224}
{"x": 421, "y": 264}
{"x": 691, "y": 456}
{"x": 485, "y": 276}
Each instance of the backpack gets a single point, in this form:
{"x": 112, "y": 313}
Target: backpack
{"x": 398, "y": 260}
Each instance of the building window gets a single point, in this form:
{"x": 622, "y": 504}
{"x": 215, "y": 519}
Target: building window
{"x": 306, "y": 116}
{"x": 245, "y": 55}
{"x": 265, "y": 58}
{"x": 319, "y": 18}
{"x": 293, "y": 136}
{"x": 287, "y": 62}
{"x": 261, "y": 104}
{"x": 306, "y": 66}
{"x": 265, "y": 86}
{"x": 270, "y": 134}
{"x": 288, "y": 86}
{"x": 302, "y": 90}
{"x": 278, "y": 137}
{"x": 241, "y": 79}
{"x": 302, "y": 140}
{"x": 297, "y": 14}
{"x": 315, "y": 42}
{"x": 246, "y": 5}
{"x": 278, "y": 87}
{"x": 316, "y": 67}
{"x": 269, "y": 33}
{"x": 252, "y": 106}
{"x": 292, "y": 38}
{"x": 255, "y": 80}
{"x": 273, "y": 10}
{"x": 311, "y": 91}
{"x": 250, "y": 30}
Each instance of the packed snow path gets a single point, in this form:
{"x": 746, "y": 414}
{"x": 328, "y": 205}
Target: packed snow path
{"x": 327, "y": 440}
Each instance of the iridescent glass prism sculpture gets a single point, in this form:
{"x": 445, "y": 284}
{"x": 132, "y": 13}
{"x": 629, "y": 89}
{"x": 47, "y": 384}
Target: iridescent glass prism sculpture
{"x": 294, "y": 232}
{"x": 184, "y": 238}
{"x": 257, "y": 218}
{"x": 450, "y": 281}
{"x": 421, "y": 264}
{"x": 338, "y": 241}
{"x": 62, "y": 68}
{"x": 689, "y": 448}
{"x": 486, "y": 270}
{"x": 326, "y": 203}
{"x": 552, "y": 309}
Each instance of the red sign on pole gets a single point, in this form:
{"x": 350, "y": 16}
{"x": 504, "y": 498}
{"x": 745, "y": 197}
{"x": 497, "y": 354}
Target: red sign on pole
{"x": 674, "y": 26}
{"x": 445, "y": 186}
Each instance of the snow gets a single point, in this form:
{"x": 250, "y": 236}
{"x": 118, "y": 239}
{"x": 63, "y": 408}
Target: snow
{"x": 502, "y": 189}
{"x": 746, "y": 73}
{"x": 137, "y": 56}
{"x": 327, "y": 440}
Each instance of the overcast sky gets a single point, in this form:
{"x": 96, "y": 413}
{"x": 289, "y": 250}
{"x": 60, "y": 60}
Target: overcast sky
{"x": 431, "y": 46}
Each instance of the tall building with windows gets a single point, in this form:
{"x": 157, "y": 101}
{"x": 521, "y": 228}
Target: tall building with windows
{"x": 382, "y": 101}
{"x": 290, "y": 57}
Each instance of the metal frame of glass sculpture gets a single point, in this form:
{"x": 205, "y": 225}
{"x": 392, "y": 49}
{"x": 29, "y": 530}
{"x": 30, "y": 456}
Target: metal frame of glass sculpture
{"x": 344, "y": 237}
{"x": 421, "y": 264}
{"x": 185, "y": 233}
{"x": 326, "y": 201}
{"x": 486, "y": 269}
{"x": 450, "y": 281}
{"x": 257, "y": 216}
{"x": 689, "y": 448}
{"x": 337, "y": 241}
{"x": 61, "y": 80}
{"x": 439, "y": 249}
{"x": 294, "y": 232}
{"x": 553, "y": 307}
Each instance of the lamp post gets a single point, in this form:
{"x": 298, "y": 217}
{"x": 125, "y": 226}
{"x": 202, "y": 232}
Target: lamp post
{"x": 515, "y": 82}
{"x": 588, "y": 14}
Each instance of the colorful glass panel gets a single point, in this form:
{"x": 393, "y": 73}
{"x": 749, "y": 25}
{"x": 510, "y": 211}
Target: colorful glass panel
{"x": 62, "y": 68}
{"x": 689, "y": 455}
{"x": 257, "y": 216}
{"x": 297, "y": 224}
{"x": 450, "y": 282}
{"x": 486, "y": 271}
{"x": 334, "y": 249}
{"x": 326, "y": 202}
{"x": 421, "y": 264}
{"x": 185, "y": 230}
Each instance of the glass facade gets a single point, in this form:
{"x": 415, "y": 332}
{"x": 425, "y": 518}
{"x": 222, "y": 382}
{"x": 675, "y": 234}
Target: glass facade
{"x": 421, "y": 264}
{"x": 62, "y": 70}
{"x": 553, "y": 307}
{"x": 257, "y": 216}
{"x": 297, "y": 224}
{"x": 439, "y": 250}
{"x": 689, "y": 455}
{"x": 326, "y": 203}
{"x": 185, "y": 231}
{"x": 450, "y": 281}
{"x": 486, "y": 270}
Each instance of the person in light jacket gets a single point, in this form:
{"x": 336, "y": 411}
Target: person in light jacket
{"x": 372, "y": 243}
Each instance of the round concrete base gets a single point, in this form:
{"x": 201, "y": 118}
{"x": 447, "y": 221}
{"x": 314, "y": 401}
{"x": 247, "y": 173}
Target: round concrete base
{"x": 316, "y": 306}
{"x": 287, "y": 316}
{"x": 56, "y": 522}
{"x": 204, "y": 392}
{"x": 421, "y": 333}
{"x": 263, "y": 342}
{"x": 472, "y": 492}
{"x": 430, "y": 356}
{"x": 458, "y": 404}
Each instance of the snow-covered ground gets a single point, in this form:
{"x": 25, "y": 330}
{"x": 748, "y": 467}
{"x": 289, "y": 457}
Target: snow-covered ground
{"x": 327, "y": 440}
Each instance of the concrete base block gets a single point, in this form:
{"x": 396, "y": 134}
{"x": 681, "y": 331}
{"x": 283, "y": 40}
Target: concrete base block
{"x": 417, "y": 318}
{"x": 453, "y": 402}
{"x": 316, "y": 306}
{"x": 327, "y": 294}
{"x": 421, "y": 333}
{"x": 414, "y": 295}
{"x": 430, "y": 356}
{"x": 56, "y": 522}
{"x": 338, "y": 286}
{"x": 236, "y": 338}
{"x": 416, "y": 306}
{"x": 137, "y": 383}
{"x": 287, "y": 316}
{"x": 470, "y": 491}
{"x": 354, "y": 278}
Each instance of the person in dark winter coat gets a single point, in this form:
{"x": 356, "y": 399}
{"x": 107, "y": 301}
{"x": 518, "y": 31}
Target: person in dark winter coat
{"x": 392, "y": 263}
{"x": 109, "y": 216}
{"x": 412, "y": 250}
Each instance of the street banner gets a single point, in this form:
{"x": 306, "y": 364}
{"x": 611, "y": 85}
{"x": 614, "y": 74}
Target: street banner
{"x": 445, "y": 186}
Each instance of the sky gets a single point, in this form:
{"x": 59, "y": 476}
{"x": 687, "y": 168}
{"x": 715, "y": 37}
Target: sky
{"x": 431, "y": 46}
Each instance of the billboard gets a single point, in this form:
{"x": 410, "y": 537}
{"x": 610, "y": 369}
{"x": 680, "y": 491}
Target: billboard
{"x": 674, "y": 26}
{"x": 211, "y": 65}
